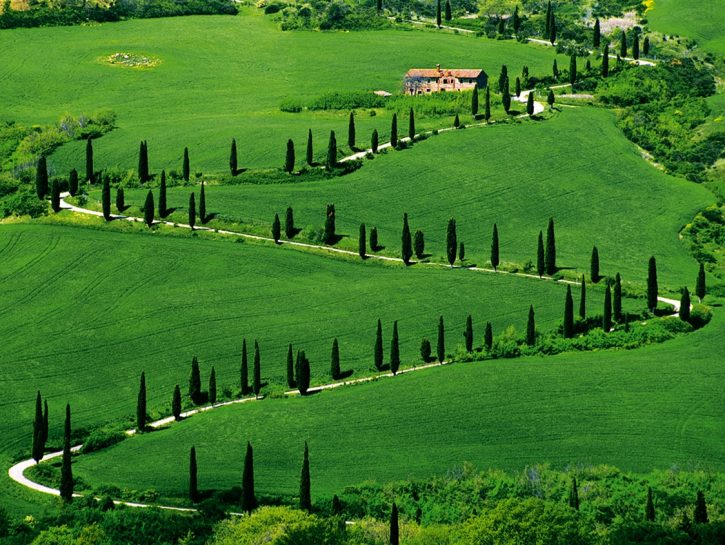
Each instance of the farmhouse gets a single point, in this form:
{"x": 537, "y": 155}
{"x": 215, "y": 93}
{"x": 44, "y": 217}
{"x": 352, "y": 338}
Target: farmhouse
{"x": 419, "y": 81}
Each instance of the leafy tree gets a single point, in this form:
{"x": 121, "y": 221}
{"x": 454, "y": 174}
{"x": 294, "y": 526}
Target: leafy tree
{"x": 407, "y": 242}
{"x": 652, "y": 285}
{"x": 700, "y": 515}
{"x": 202, "y": 204}
{"x": 192, "y": 211}
{"x": 530, "y": 103}
{"x": 374, "y": 141}
{"x": 596, "y": 40}
{"x": 550, "y": 99}
{"x": 531, "y": 328}
{"x": 607, "y": 315}
{"x": 303, "y": 372}
{"x": 163, "y": 209}
{"x": 212, "y": 386}
{"x": 700, "y": 289}
{"x": 623, "y": 44}
{"x": 552, "y": 29}
{"x": 517, "y": 87}
{"x": 310, "y": 155}
{"x": 605, "y": 61}
{"x": 411, "y": 125}
{"x": 635, "y": 46}
{"x": 583, "y": 299}
{"x": 66, "y": 470}
{"x": 141, "y": 404}
{"x": 572, "y": 70}
{"x": 540, "y": 263}
{"x": 395, "y": 350}
{"x": 441, "y": 345}
{"x": 594, "y": 265}
{"x": 361, "y": 242}
{"x": 506, "y": 96}
{"x": 645, "y": 46}
{"x": 568, "y": 314}
{"x": 461, "y": 251}
{"x": 649, "y": 509}
{"x": 617, "y": 303}
{"x": 394, "y": 530}
{"x": 419, "y": 244}
{"x": 379, "y": 346}
{"x": 487, "y": 110}
{"x": 185, "y": 169}
{"x": 425, "y": 350}
{"x": 329, "y": 235}
{"x": 73, "y": 183}
{"x": 550, "y": 254}
{"x": 244, "y": 369}
{"x": 195, "y": 381}
{"x": 143, "y": 162}
{"x": 305, "y": 494}
{"x": 374, "y": 246}
{"x": 89, "y": 160}
{"x": 448, "y": 14}
{"x": 335, "y": 360}
{"x": 289, "y": 223}
{"x": 474, "y": 100}
{"x": 55, "y": 197}
{"x": 574, "y": 495}
{"x": 394, "y": 131}
{"x": 176, "y": 403}
{"x": 148, "y": 209}
{"x": 351, "y": 131}
{"x": 685, "y": 306}
{"x": 332, "y": 151}
{"x": 257, "y": 383}
{"x": 276, "y": 229}
{"x": 451, "y": 242}
{"x": 41, "y": 178}
{"x": 120, "y": 200}
{"x": 291, "y": 382}
{"x": 193, "y": 476}
{"x": 468, "y": 334}
{"x": 438, "y": 13}
{"x": 38, "y": 430}
{"x": 488, "y": 337}
{"x": 249, "y": 500}
{"x": 233, "y": 163}
{"x": 494, "y": 248}
{"x": 289, "y": 162}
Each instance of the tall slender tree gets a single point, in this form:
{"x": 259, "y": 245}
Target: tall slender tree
{"x": 185, "y": 168}
{"x": 332, "y": 151}
{"x": 193, "y": 476}
{"x": 395, "y": 350}
{"x": 419, "y": 244}
{"x": 550, "y": 254}
{"x": 305, "y": 493}
{"x": 289, "y": 223}
{"x": 378, "y": 351}
{"x": 394, "y": 131}
{"x": 394, "y": 529}
{"x": 552, "y": 29}
{"x": 141, "y": 404}
{"x": 605, "y": 61}
{"x": 550, "y": 99}
{"x": 506, "y": 96}
{"x": 645, "y": 46}
{"x": 685, "y": 305}
{"x": 438, "y": 13}
{"x": 652, "y": 290}
{"x": 488, "y": 337}
{"x": 45, "y": 421}
{"x": 362, "y": 242}
{"x": 474, "y": 101}
{"x": 596, "y": 40}
{"x": 700, "y": 288}
{"x": 635, "y": 46}
{"x": 531, "y": 327}
{"x": 303, "y": 372}
{"x": 66, "y": 470}
{"x": 568, "y": 314}
{"x": 649, "y": 509}
{"x": 202, "y": 204}
{"x": 407, "y": 242}
{"x": 291, "y": 382}
{"x": 163, "y": 208}
{"x": 517, "y": 87}
{"x": 448, "y": 11}
{"x": 441, "y": 344}
{"x": 351, "y": 131}
{"x": 547, "y": 28}
{"x": 212, "y": 386}
{"x": 451, "y": 242}
{"x": 617, "y": 299}
{"x": 374, "y": 141}
{"x": 276, "y": 229}
{"x": 495, "y": 261}
{"x": 700, "y": 514}
{"x": 195, "y": 381}
{"x": 623, "y": 44}
{"x": 530, "y": 103}
{"x": 41, "y": 178}
{"x": 487, "y": 107}
{"x": 38, "y": 430}
{"x": 540, "y": 263}
{"x": 257, "y": 383}
{"x": 607, "y": 314}
{"x": 55, "y": 196}
{"x": 73, "y": 183}
{"x": 468, "y": 334}
{"x": 574, "y": 495}
{"x": 374, "y": 244}
{"x": 289, "y": 161}
{"x": 148, "y": 209}
{"x": 233, "y": 161}
{"x": 192, "y": 211}
{"x": 143, "y": 162}
{"x": 329, "y": 235}
{"x": 572, "y": 70}
{"x": 249, "y": 499}
{"x": 89, "y": 160}
{"x": 594, "y": 265}
{"x": 335, "y": 360}
{"x": 583, "y": 300}
{"x": 176, "y": 403}
{"x": 516, "y": 20}
{"x": 555, "y": 70}
{"x": 411, "y": 125}
{"x": 310, "y": 155}
{"x": 120, "y": 200}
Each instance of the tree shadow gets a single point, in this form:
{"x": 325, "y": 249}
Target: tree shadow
{"x": 336, "y": 238}
{"x": 378, "y": 248}
{"x": 239, "y": 171}
{"x": 345, "y": 374}
{"x": 296, "y": 231}
{"x": 206, "y": 219}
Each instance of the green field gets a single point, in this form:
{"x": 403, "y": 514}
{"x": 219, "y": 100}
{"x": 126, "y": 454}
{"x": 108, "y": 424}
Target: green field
{"x": 515, "y": 175}
{"x": 659, "y": 407}
{"x": 702, "y": 20}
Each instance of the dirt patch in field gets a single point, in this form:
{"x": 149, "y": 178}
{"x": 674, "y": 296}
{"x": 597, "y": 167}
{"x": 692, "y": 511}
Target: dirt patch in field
{"x": 132, "y": 60}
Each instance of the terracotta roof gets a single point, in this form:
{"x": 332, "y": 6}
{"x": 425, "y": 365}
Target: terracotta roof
{"x": 435, "y": 73}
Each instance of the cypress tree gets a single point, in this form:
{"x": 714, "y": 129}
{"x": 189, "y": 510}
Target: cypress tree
{"x": 212, "y": 386}
{"x": 41, "y": 178}
{"x": 185, "y": 169}
{"x": 468, "y": 334}
{"x": 289, "y": 223}
{"x": 596, "y": 40}
{"x": 176, "y": 403}
{"x": 552, "y": 29}
{"x": 506, "y": 96}
{"x": 332, "y": 151}
{"x": 291, "y": 382}
{"x": 488, "y": 337}
{"x": 494, "y": 248}
{"x": 276, "y": 229}
{"x": 257, "y": 384}
{"x": 202, "y": 204}
{"x": 574, "y": 495}
{"x": 572, "y": 70}
{"x": 195, "y": 381}
{"x": 89, "y": 160}
{"x": 38, "y": 430}
{"x": 394, "y": 131}
{"x": 379, "y": 5}
{"x": 374, "y": 246}
{"x": 501, "y": 26}
{"x": 66, "y": 470}
{"x": 461, "y": 251}
{"x": 617, "y": 302}
{"x": 305, "y": 494}
{"x": 700, "y": 289}
{"x": 411, "y": 125}
{"x": 351, "y": 132}
{"x": 550, "y": 99}
{"x": 547, "y": 29}
{"x": 448, "y": 13}
{"x": 568, "y": 314}
{"x": 555, "y": 70}
{"x": 193, "y": 476}
{"x": 451, "y": 242}
{"x": 487, "y": 110}
{"x": 141, "y": 404}
{"x": 474, "y": 101}
{"x": 249, "y": 500}
{"x": 530, "y": 103}
{"x": 441, "y": 344}
{"x": 148, "y": 209}
{"x": 379, "y": 346}
{"x": 73, "y": 183}
{"x": 685, "y": 306}
{"x": 438, "y": 13}
{"x": 607, "y": 315}
{"x": 652, "y": 285}
{"x": 583, "y": 300}
{"x": 289, "y": 162}
{"x": 45, "y": 421}
{"x": 456, "y": 121}
{"x": 550, "y": 254}
{"x": 700, "y": 514}
{"x": 143, "y": 162}
{"x": 635, "y": 46}
{"x": 425, "y": 350}
{"x": 407, "y": 242}
{"x": 361, "y": 242}
{"x": 394, "y": 530}
{"x": 335, "y": 360}
{"x": 233, "y": 164}
{"x": 623, "y": 44}
{"x": 55, "y": 197}
{"x": 192, "y": 211}
{"x": 329, "y": 235}
{"x": 531, "y": 328}
{"x": 310, "y": 149}
{"x": 594, "y": 265}
{"x": 163, "y": 208}
{"x": 605, "y": 61}
{"x": 303, "y": 373}
{"x": 106, "y": 199}
{"x": 540, "y": 263}
{"x": 645, "y": 46}
{"x": 395, "y": 350}
{"x": 517, "y": 87}
{"x": 649, "y": 510}
{"x": 374, "y": 141}
{"x": 419, "y": 244}
{"x": 516, "y": 20}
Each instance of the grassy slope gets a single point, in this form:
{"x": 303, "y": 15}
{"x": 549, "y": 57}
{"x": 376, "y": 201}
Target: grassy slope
{"x": 651, "y": 408}
{"x": 576, "y": 167}
{"x": 220, "y": 77}
{"x": 699, "y": 19}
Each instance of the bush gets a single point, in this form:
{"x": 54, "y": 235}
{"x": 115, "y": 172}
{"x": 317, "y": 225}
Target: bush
{"x": 23, "y": 203}
{"x": 99, "y": 439}
{"x": 700, "y": 316}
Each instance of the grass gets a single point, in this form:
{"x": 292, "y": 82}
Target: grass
{"x": 658, "y": 407}
{"x": 702, "y": 20}
{"x": 219, "y": 77}
{"x": 576, "y": 167}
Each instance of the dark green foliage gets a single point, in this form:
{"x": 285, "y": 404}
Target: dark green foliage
{"x": 494, "y": 248}
{"x": 605, "y": 61}
{"x": 501, "y": 26}
{"x": 289, "y": 223}
{"x": 148, "y": 209}
{"x": 141, "y": 404}
{"x": 176, "y": 403}
{"x": 488, "y": 337}
{"x": 66, "y": 470}
{"x": 700, "y": 288}
{"x": 143, "y": 162}
{"x": 530, "y": 103}
{"x": 41, "y": 178}
{"x": 540, "y": 263}
{"x": 583, "y": 299}
{"x": 55, "y": 197}
{"x": 487, "y": 110}
{"x": 289, "y": 161}
{"x": 305, "y": 493}
{"x": 461, "y": 252}
{"x": 331, "y": 151}
{"x": 303, "y": 372}
{"x": 506, "y": 96}
{"x": 517, "y": 87}
{"x": 394, "y": 530}
{"x": 451, "y": 242}
{"x": 249, "y": 500}
{"x": 652, "y": 289}
{"x": 596, "y": 40}
{"x": 335, "y": 360}
{"x": 547, "y": 28}
{"x": 202, "y": 204}
{"x": 163, "y": 208}
{"x": 329, "y": 236}
{"x": 233, "y": 162}
{"x": 685, "y": 305}
{"x": 291, "y": 382}
{"x": 195, "y": 381}
{"x": 351, "y": 131}
{"x": 45, "y": 421}
{"x": 379, "y": 346}
{"x": 568, "y": 314}
{"x": 425, "y": 350}
{"x": 438, "y": 13}
{"x": 474, "y": 100}
{"x": 407, "y": 242}
{"x": 441, "y": 344}
{"x": 379, "y": 8}
{"x": 212, "y": 386}
{"x": 594, "y": 265}
{"x": 89, "y": 160}
{"x": 193, "y": 476}
{"x": 516, "y": 20}
{"x": 700, "y": 515}
{"x": 531, "y": 328}
{"x": 574, "y": 495}
{"x": 192, "y": 211}
{"x": 448, "y": 14}
{"x": 645, "y": 46}
{"x": 623, "y": 44}
{"x": 617, "y": 302}
{"x": 374, "y": 245}
{"x": 550, "y": 254}
{"x": 550, "y": 98}
{"x": 555, "y": 70}
{"x": 106, "y": 199}
{"x": 411, "y": 125}
{"x": 468, "y": 334}
{"x": 394, "y": 130}
{"x": 552, "y": 29}
{"x": 38, "y": 430}
{"x": 73, "y": 182}
{"x": 361, "y": 242}
{"x": 419, "y": 244}
{"x": 572, "y": 70}
{"x": 276, "y": 229}
{"x": 635, "y": 47}
{"x": 456, "y": 121}
{"x": 257, "y": 381}
{"x": 185, "y": 169}
{"x": 395, "y": 350}
{"x": 607, "y": 313}
{"x": 649, "y": 509}
{"x": 374, "y": 141}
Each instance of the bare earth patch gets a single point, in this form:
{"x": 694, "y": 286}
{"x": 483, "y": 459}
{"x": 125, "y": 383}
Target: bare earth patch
{"x": 625, "y": 22}
{"x": 132, "y": 60}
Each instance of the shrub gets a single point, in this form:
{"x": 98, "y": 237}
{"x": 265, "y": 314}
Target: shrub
{"x": 99, "y": 439}
{"x": 700, "y": 316}
{"x": 23, "y": 203}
